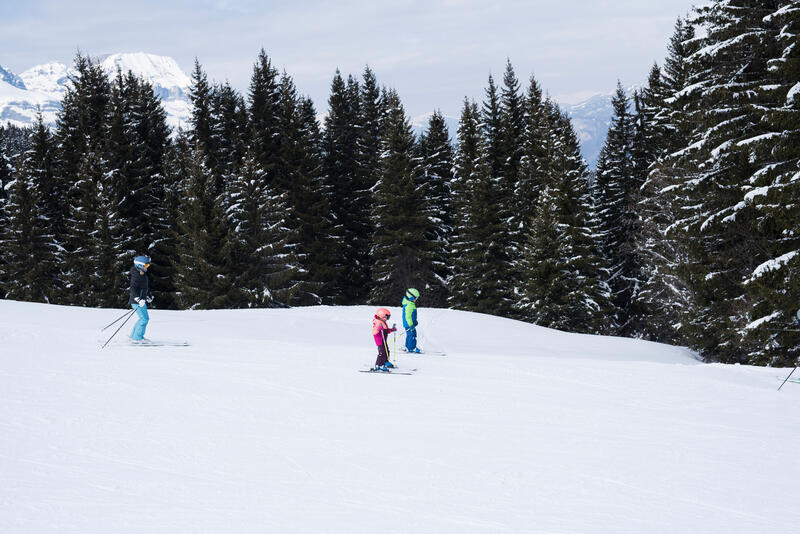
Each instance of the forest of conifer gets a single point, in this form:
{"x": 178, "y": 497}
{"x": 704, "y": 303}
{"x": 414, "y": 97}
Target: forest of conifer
{"x": 687, "y": 231}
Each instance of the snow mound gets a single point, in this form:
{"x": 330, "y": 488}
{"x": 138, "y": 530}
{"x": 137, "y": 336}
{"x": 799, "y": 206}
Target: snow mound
{"x": 262, "y": 424}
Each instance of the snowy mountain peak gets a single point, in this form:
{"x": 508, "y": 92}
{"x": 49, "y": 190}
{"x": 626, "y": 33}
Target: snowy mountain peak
{"x": 43, "y": 86}
{"x": 49, "y": 78}
{"x": 11, "y": 78}
{"x": 163, "y": 72}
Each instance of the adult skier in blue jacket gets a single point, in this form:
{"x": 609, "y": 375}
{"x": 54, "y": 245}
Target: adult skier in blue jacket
{"x": 140, "y": 296}
{"x": 410, "y": 319}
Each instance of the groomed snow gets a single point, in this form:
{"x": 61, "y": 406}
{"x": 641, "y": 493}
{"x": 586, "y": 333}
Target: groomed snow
{"x": 264, "y": 425}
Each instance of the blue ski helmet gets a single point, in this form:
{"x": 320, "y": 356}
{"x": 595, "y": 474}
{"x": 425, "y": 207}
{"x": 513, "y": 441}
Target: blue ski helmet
{"x": 412, "y": 294}
{"x": 141, "y": 262}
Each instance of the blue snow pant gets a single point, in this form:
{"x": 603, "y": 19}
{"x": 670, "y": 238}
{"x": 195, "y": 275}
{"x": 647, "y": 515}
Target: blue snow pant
{"x": 138, "y": 328}
{"x": 411, "y": 339}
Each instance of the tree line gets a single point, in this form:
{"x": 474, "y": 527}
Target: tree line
{"x": 686, "y": 232}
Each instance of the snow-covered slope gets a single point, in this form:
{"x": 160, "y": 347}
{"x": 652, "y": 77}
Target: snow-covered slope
{"x": 264, "y": 425}
{"x": 44, "y": 85}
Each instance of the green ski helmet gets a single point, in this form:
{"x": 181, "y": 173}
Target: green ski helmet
{"x": 412, "y": 294}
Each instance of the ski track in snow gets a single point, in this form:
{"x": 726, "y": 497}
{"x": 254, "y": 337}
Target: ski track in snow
{"x": 264, "y": 425}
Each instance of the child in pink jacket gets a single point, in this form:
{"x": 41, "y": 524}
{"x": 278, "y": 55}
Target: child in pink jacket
{"x": 380, "y": 331}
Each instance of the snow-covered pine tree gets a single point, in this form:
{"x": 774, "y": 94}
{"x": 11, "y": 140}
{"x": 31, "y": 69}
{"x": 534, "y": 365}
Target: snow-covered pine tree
{"x": 293, "y": 181}
{"x": 435, "y": 177}
{"x": 341, "y": 169}
{"x": 260, "y": 247}
{"x": 512, "y": 119}
{"x": 229, "y": 130}
{"x": 468, "y": 162}
{"x": 536, "y": 153}
{"x": 727, "y": 97}
{"x": 498, "y": 284}
{"x": 6, "y": 170}
{"x": 775, "y": 283}
{"x": 311, "y": 208}
{"x": 93, "y": 279}
{"x": 201, "y": 95}
{"x": 5, "y": 178}
{"x": 563, "y": 278}
{"x": 663, "y": 297}
{"x": 203, "y": 276}
{"x": 14, "y": 142}
{"x": 616, "y": 189}
{"x": 401, "y": 252}
{"x": 80, "y": 176}
{"x": 28, "y": 250}
{"x": 371, "y": 112}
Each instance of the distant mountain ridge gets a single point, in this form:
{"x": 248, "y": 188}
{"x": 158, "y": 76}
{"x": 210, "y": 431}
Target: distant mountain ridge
{"x": 42, "y": 87}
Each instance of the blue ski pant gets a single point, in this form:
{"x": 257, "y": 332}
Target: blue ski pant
{"x": 138, "y": 329}
{"x": 411, "y": 338}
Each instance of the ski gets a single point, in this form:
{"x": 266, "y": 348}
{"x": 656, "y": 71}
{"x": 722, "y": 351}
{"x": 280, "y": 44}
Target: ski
{"x": 153, "y": 344}
{"x": 390, "y": 372}
{"x": 422, "y": 352}
{"x": 782, "y": 378}
{"x": 166, "y": 344}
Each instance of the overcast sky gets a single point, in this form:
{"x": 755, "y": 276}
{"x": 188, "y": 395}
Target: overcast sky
{"x": 434, "y": 52}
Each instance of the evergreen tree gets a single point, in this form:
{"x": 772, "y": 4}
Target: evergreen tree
{"x": 203, "y": 276}
{"x": 469, "y": 163}
{"x": 562, "y": 269}
{"x": 340, "y": 166}
{"x": 80, "y": 177}
{"x": 201, "y": 95}
{"x": 311, "y": 208}
{"x": 264, "y": 98}
{"x": 260, "y": 247}
{"x": 92, "y": 278}
{"x": 512, "y": 113}
{"x": 499, "y": 278}
{"x": 773, "y": 190}
{"x": 616, "y": 193}
{"x": 481, "y": 268}
{"x": 665, "y": 298}
{"x": 536, "y": 157}
{"x": 401, "y": 252}
{"x": 436, "y": 176}
{"x": 726, "y": 240}
{"x": 26, "y": 244}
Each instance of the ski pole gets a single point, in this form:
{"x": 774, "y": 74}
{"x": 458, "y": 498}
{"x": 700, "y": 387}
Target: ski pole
{"x": 118, "y": 329}
{"x": 394, "y": 347}
{"x": 115, "y": 320}
{"x": 787, "y": 378}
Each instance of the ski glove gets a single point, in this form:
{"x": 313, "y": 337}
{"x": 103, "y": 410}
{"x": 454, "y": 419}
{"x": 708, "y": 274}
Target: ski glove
{"x": 149, "y": 299}
{"x": 139, "y": 301}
